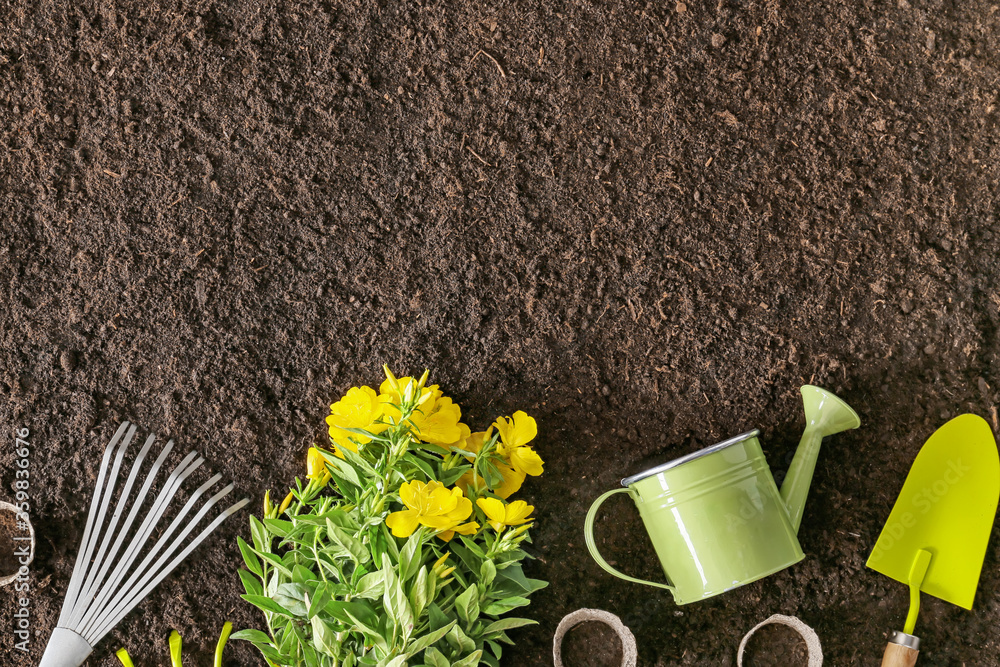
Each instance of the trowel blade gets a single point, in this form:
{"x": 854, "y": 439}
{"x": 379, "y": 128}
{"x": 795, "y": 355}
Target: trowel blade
{"x": 947, "y": 506}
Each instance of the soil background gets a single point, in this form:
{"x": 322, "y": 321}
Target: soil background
{"x": 646, "y": 225}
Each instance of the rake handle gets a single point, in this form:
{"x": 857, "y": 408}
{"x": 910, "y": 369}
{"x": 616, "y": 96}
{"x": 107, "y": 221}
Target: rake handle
{"x": 899, "y": 655}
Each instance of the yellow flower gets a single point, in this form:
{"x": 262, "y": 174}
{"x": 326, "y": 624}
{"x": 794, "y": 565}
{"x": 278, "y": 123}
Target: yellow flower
{"x": 470, "y": 528}
{"x": 315, "y": 464}
{"x": 359, "y": 408}
{"x": 474, "y": 442}
{"x": 435, "y": 419}
{"x": 511, "y": 484}
{"x": 500, "y": 515}
{"x": 432, "y": 505}
{"x": 515, "y": 434}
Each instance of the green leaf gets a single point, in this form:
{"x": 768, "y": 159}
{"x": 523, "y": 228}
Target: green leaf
{"x": 290, "y": 639}
{"x": 371, "y": 586}
{"x": 472, "y": 546}
{"x": 467, "y": 557}
{"x": 410, "y": 555}
{"x": 507, "y": 624}
{"x": 390, "y": 542}
{"x": 346, "y": 611}
{"x": 394, "y": 599}
{"x": 470, "y": 660}
{"x": 292, "y": 597}
{"x": 251, "y": 636}
{"x": 487, "y": 573}
{"x": 342, "y": 467}
{"x": 496, "y": 648}
{"x": 459, "y": 640}
{"x": 249, "y": 557}
{"x": 259, "y": 534}
{"x": 267, "y": 604}
{"x": 320, "y": 598}
{"x": 434, "y": 658}
{"x": 420, "y": 592}
{"x": 346, "y": 489}
{"x": 272, "y": 654}
{"x": 418, "y": 462}
{"x": 324, "y": 637}
{"x": 503, "y": 606}
{"x": 436, "y": 617}
{"x": 374, "y": 635}
{"x": 302, "y": 574}
{"x": 352, "y": 547}
{"x": 398, "y": 661}
{"x": 251, "y": 583}
{"x": 449, "y": 477}
{"x": 278, "y": 564}
{"x": 419, "y": 645}
{"x": 515, "y": 583}
{"x": 310, "y": 656}
{"x": 279, "y": 527}
{"x": 341, "y": 518}
{"x": 492, "y": 475}
{"x": 467, "y": 605}
{"x": 358, "y": 462}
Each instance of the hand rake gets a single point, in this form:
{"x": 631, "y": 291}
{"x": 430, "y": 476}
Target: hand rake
{"x": 99, "y": 593}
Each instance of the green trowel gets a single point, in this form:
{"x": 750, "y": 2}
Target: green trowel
{"x": 935, "y": 538}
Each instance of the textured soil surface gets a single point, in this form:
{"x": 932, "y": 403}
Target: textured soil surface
{"x": 645, "y": 225}
{"x": 777, "y": 646}
{"x": 591, "y": 645}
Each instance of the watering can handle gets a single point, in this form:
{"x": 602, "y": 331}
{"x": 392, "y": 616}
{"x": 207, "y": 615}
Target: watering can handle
{"x": 588, "y": 530}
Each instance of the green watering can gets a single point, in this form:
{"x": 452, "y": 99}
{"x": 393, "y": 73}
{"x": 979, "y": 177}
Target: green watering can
{"x": 716, "y": 517}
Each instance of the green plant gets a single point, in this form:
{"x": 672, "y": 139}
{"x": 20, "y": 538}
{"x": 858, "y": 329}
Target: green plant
{"x": 400, "y": 548}
{"x": 175, "y": 643}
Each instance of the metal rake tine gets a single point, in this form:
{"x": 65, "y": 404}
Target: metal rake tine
{"x": 96, "y": 599}
{"x": 152, "y": 571}
{"x": 179, "y": 474}
{"x": 162, "y": 541}
{"x": 98, "y": 510}
{"x": 113, "y": 617}
{"x": 99, "y": 568}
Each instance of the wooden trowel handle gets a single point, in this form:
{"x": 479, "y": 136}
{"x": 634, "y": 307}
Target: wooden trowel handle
{"x": 901, "y": 651}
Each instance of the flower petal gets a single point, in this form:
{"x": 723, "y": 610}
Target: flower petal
{"x": 408, "y": 493}
{"x": 437, "y": 521}
{"x": 525, "y": 429}
{"x": 494, "y": 510}
{"x": 463, "y": 508}
{"x": 467, "y": 528}
{"x": 402, "y": 523}
{"x": 517, "y": 512}
{"x": 526, "y": 460}
{"x": 512, "y": 481}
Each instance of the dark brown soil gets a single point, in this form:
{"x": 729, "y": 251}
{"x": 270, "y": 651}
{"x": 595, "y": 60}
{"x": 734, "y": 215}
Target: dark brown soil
{"x": 776, "y": 646}
{"x": 592, "y": 645}
{"x": 645, "y": 226}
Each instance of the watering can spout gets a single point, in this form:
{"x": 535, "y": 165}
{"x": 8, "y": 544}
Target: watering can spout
{"x": 825, "y": 415}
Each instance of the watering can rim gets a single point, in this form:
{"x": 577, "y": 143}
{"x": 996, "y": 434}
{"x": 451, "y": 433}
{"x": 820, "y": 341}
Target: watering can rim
{"x": 705, "y": 451}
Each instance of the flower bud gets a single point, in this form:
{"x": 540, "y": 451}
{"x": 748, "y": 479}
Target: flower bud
{"x": 286, "y": 502}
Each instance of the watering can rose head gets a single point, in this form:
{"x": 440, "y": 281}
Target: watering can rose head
{"x": 353, "y": 564}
